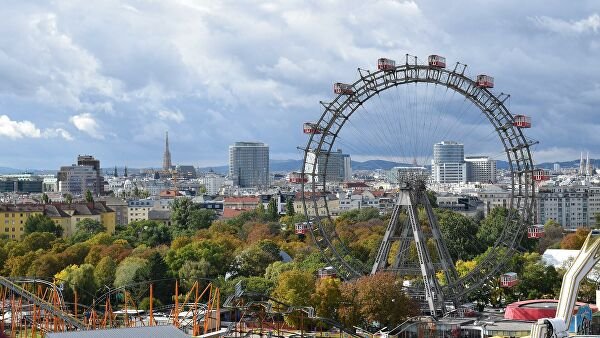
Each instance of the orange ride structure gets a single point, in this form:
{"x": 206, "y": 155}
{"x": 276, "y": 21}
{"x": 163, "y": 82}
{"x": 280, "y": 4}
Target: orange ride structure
{"x": 33, "y": 307}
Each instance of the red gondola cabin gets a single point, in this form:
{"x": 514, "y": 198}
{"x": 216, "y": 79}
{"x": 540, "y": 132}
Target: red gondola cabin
{"x": 509, "y": 280}
{"x": 311, "y": 128}
{"x": 301, "y": 228}
{"x": 327, "y": 272}
{"x": 386, "y": 64}
{"x": 343, "y": 88}
{"x": 437, "y": 61}
{"x": 522, "y": 121}
{"x": 485, "y": 81}
{"x": 535, "y": 231}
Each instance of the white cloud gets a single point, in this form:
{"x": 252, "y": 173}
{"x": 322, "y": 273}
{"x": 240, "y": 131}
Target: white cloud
{"x": 589, "y": 24}
{"x": 27, "y": 129}
{"x": 86, "y": 123}
{"x": 173, "y": 115}
{"x": 58, "y": 132}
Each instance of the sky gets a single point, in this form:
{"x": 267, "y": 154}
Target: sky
{"x": 109, "y": 78}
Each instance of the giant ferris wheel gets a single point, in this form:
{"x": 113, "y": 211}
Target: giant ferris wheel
{"x": 397, "y": 112}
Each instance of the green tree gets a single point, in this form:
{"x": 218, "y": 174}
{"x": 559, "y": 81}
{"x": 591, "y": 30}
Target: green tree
{"x": 146, "y": 232}
{"x": 45, "y": 198}
{"x": 89, "y": 197}
{"x": 254, "y": 260}
{"x": 492, "y": 226}
{"x": 260, "y": 210}
{"x": 553, "y": 234}
{"x": 68, "y": 198}
{"x": 104, "y": 273}
{"x": 192, "y": 271}
{"x": 459, "y": 234}
{"x": 79, "y": 279}
{"x": 46, "y": 265}
{"x": 188, "y": 216}
{"x": 128, "y": 269}
{"x": 156, "y": 271}
{"x": 289, "y": 207}
{"x": 272, "y": 212}
{"x": 42, "y": 223}
{"x": 86, "y": 229}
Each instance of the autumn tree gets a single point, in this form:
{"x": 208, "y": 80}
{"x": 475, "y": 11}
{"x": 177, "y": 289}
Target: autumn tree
{"x": 375, "y": 298}
{"x": 575, "y": 240}
{"x": 327, "y": 297}
{"x": 80, "y": 279}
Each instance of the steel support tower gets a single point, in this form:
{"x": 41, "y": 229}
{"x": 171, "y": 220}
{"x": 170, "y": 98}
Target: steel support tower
{"x": 411, "y": 196}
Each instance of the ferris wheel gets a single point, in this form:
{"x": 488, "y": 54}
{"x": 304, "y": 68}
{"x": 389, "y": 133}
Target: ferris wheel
{"x": 399, "y": 112}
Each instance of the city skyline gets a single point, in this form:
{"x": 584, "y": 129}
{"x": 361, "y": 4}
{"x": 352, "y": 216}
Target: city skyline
{"x": 202, "y": 77}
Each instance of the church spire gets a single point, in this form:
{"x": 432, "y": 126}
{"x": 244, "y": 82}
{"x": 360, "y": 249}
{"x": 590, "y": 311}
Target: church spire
{"x": 167, "y": 155}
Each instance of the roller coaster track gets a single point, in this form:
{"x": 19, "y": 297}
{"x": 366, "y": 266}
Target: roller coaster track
{"x": 42, "y": 304}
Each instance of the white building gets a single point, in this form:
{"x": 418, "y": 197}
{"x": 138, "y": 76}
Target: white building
{"x": 212, "y": 182}
{"x": 481, "y": 169}
{"x": 571, "y": 206}
{"x": 448, "y": 164}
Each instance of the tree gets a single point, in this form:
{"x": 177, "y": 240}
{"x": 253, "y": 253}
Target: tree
{"x": 260, "y": 210}
{"x": 79, "y": 279}
{"x": 150, "y": 233}
{"x": 89, "y": 198}
{"x": 574, "y": 240}
{"x": 188, "y": 216}
{"x": 104, "y": 273}
{"x": 42, "y": 223}
{"x": 295, "y": 288}
{"x": 375, "y": 298}
{"x": 553, "y": 233}
{"x": 492, "y": 226}
{"x": 127, "y": 270}
{"x": 156, "y": 271}
{"x": 272, "y": 212}
{"x": 327, "y": 297}
{"x": 254, "y": 260}
{"x": 459, "y": 234}
{"x": 68, "y": 198}
{"x": 289, "y": 207}
{"x": 86, "y": 229}
{"x": 45, "y": 198}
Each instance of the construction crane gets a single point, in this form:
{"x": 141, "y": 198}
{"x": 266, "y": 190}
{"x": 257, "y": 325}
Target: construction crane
{"x": 558, "y": 327}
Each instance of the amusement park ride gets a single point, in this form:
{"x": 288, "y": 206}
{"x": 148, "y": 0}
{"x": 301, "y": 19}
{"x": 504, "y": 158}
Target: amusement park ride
{"x": 510, "y": 130}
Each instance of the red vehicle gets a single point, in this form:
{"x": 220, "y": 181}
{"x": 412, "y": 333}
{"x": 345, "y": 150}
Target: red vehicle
{"x": 301, "y": 228}
{"x": 535, "y": 231}
{"x": 485, "y": 81}
{"x": 522, "y": 121}
{"x": 311, "y": 128}
{"x": 540, "y": 175}
{"x": 386, "y": 64}
{"x": 437, "y": 61}
{"x": 508, "y": 280}
{"x": 343, "y": 88}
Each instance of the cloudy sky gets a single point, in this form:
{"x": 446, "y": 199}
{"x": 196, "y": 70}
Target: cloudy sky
{"x": 109, "y": 78}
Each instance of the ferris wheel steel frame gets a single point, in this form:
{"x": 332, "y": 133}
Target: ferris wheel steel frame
{"x": 516, "y": 146}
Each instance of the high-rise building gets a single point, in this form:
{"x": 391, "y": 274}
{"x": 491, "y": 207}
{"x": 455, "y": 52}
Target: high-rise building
{"x": 249, "y": 164}
{"x": 481, "y": 169}
{"x": 334, "y": 166}
{"x": 556, "y": 167}
{"x": 167, "y": 155}
{"x": 212, "y": 182}
{"x": 78, "y": 178}
{"x": 448, "y": 164}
